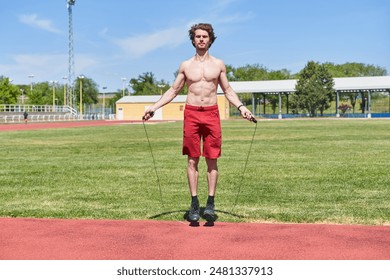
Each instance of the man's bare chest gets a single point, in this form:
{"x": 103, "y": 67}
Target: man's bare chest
{"x": 202, "y": 71}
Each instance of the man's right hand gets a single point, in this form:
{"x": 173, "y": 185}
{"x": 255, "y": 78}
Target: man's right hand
{"x": 148, "y": 114}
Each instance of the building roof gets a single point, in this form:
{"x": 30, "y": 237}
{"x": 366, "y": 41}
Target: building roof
{"x": 354, "y": 84}
{"x": 149, "y": 99}
{"x": 380, "y": 83}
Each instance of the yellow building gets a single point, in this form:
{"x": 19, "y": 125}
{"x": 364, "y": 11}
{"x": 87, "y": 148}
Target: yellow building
{"x": 133, "y": 107}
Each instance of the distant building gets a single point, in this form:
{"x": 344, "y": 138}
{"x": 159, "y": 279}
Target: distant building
{"x": 133, "y": 107}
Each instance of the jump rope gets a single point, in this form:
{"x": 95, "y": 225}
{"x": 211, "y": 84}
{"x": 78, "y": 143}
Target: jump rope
{"x": 242, "y": 176}
{"x": 154, "y": 162}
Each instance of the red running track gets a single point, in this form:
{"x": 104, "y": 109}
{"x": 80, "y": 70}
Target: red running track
{"x": 65, "y": 124}
{"x": 57, "y": 239}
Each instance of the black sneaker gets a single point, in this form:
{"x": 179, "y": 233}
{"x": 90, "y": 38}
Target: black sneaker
{"x": 209, "y": 213}
{"x": 194, "y": 213}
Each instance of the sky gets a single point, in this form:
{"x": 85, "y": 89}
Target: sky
{"x": 118, "y": 39}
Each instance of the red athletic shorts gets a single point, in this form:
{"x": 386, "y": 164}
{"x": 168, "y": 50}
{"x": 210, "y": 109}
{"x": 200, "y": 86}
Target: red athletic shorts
{"x": 202, "y": 123}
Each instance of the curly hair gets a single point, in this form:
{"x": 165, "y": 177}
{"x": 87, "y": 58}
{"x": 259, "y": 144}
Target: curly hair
{"x": 204, "y": 26}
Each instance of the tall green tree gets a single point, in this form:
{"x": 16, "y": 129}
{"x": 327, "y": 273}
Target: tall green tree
{"x": 90, "y": 90}
{"x": 314, "y": 89}
{"x": 112, "y": 101}
{"x": 147, "y": 84}
{"x": 8, "y": 92}
{"x": 248, "y": 72}
{"x": 41, "y": 94}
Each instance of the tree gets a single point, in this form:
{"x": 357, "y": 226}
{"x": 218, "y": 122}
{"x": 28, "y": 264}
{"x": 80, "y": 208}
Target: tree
{"x": 344, "y": 108}
{"x": 112, "y": 101}
{"x": 248, "y": 72}
{"x": 353, "y": 69}
{"x": 146, "y": 84}
{"x": 90, "y": 91}
{"x": 314, "y": 89}
{"x": 8, "y": 92}
{"x": 41, "y": 94}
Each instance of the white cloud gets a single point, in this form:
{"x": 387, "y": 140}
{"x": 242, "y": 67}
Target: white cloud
{"x": 223, "y": 4}
{"x": 221, "y": 11}
{"x": 140, "y": 45}
{"x": 44, "y": 67}
{"x": 84, "y": 64}
{"x": 34, "y": 21}
{"x": 103, "y": 32}
{"x": 235, "y": 18}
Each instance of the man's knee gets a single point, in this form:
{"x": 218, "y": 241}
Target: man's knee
{"x": 212, "y": 164}
{"x": 193, "y": 162}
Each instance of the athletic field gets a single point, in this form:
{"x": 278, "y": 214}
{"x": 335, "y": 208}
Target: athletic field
{"x": 332, "y": 171}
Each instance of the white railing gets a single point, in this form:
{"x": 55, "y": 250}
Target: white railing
{"x": 40, "y": 113}
{"x": 49, "y": 118}
{"x": 37, "y": 108}
{"x": 37, "y": 118}
{"x": 92, "y": 117}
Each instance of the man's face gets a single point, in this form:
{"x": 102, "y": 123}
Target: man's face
{"x": 201, "y": 39}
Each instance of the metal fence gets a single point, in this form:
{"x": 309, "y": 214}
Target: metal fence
{"x": 17, "y": 108}
{"x": 44, "y": 113}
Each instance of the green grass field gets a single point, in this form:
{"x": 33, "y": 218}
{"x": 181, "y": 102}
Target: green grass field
{"x": 299, "y": 171}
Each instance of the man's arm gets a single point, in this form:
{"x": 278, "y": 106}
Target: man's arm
{"x": 169, "y": 95}
{"x": 231, "y": 95}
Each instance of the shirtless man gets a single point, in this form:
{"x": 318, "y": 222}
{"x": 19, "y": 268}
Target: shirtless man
{"x": 202, "y": 73}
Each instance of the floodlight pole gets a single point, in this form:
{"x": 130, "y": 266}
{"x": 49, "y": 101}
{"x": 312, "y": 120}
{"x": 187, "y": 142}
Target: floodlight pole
{"x": 54, "y": 93}
{"x": 81, "y": 96}
{"x": 31, "y": 82}
{"x": 65, "y": 78}
{"x": 104, "y": 101}
{"x": 161, "y": 87}
{"x": 123, "y": 86}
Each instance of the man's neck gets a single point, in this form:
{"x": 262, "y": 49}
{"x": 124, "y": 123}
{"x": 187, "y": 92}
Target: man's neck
{"x": 201, "y": 55}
